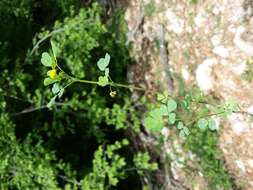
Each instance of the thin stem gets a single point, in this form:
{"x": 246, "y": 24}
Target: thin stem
{"x": 59, "y": 67}
{"x": 243, "y": 112}
{"x": 111, "y": 84}
{"x": 33, "y": 109}
{"x": 128, "y": 86}
{"x": 204, "y": 116}
{"x": 97, "y": 83}
{"x": 70, "y": 180}
{"x": 85, "y": 81}
{"x": 17, "y": 98}
{"x": 44, "y": 38}
{"x": 69, "y": 84}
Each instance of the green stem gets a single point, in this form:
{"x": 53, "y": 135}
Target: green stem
{"x": 96, "y": 82}
{"x": 69, "y": 84}
{"x": 44, "y": 38}
{"x": 127, "y": 86}
{"x": 111, "y": 84}
{"x": 204, "y": 116}
{"x": 85, "y": 81}
{"x": 60, "y": 68}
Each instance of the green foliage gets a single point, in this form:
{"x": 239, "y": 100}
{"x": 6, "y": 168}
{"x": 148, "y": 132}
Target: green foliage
{"x": 35, "y": 141}
{"x": 205, "y": 145}
{"x": 107, "y": 164}
{"x": 171, "y": 105}
{"x": 159, "y": 117}
{"x": 78, "y": 37}
{"x": 154, "y": 120}
{"x": 203, "y": 139}
{"x": 46, "y": 59}
{"x": 202, "y": 124}
{"x": 103, "y": 81}
{"x": 103, "y": 62}
{"x": 51, "y": 149}
{"x": 23, "y": 165}
{"x": 143, "y": 164}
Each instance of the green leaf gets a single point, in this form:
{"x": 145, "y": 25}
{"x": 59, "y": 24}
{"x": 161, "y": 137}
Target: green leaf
{"x": 172, "y": 118}
{"x": 154, "y": 120}
{"x": 61, "y": 93}
{"x": 107, "y": 58}
{"x": 103, "y": 62}
{"x": 153, "y": 124}
{"x": 182, "y": 135}
{"x": 212, "y": 125}
{"x": 162, "y": 97}
{"x": 103, "y": 81}
{"x": 125, "y": 142}
{"x": 54, "y": 48}
{"x": 184, "y": 104}
{"x": 52, "y": 102}
{"x": 56, "y": 88}
{"x": 48, "y": 81}
{"x": 180, "y": 125}
{"x": 171, "y": 105}
{"x": 186, "y": 131}
{"x": 163, "y": 110}
{"x": 202, "y": 123}
{"x": 53, "y": 63}
{"x": 46, "y": 59}
{"x": 107, "y": 72}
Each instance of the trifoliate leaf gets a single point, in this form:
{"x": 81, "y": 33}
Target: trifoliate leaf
{"x": 103, "y": 81}
{"x": 202, "y": 123}
{"x": 180, "y": 125}
{"x": 55, "y": 88}
{"x": 48, "y": 81}
{"x": 163, "y": 110}
{"x": 154, "y": 120}
{"x": 171, "y": 105}
{"x": 162, "y": 97}
{"x": 103, "y": 62}
{"x": 212, "y": 124}
{"x": 153, "y": 124}
{"x": 186, "y": 131}
{"x": 172, "y": 118}
{"x": 46, "y": 59}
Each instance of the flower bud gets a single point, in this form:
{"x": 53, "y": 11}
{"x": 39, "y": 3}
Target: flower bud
{"x": 113, "y": 94}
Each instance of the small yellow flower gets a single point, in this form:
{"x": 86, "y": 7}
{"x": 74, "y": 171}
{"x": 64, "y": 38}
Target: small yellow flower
{"x": 113, "y": 94}
{"x": 52, "y": 74}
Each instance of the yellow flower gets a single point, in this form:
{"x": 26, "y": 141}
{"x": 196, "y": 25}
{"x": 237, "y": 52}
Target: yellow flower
{"x": 113, "y": 94}
{"x": 52, "y": 74}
